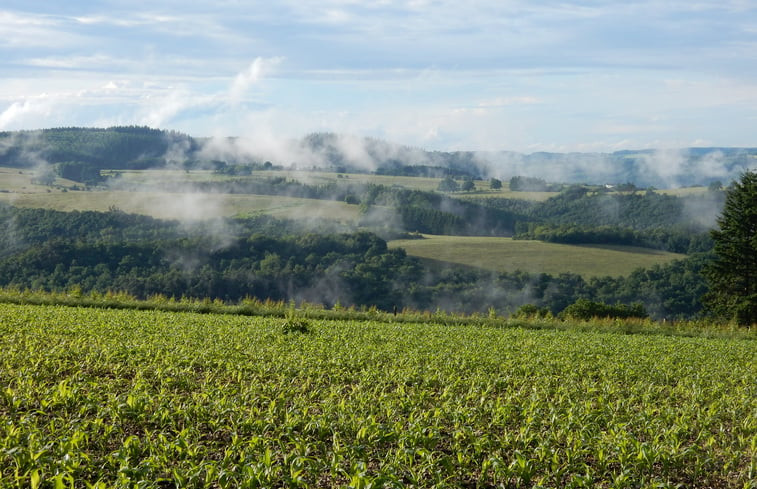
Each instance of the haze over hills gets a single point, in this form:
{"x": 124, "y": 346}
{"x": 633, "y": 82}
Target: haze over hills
{"x": 219, "y": 211}
{"x": 141, "y": 147}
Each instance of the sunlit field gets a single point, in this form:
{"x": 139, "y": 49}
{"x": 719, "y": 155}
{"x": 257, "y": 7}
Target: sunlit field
{"x": 482, "y": 187}
{"x": 507, "y": 255}
{"x": 118, "y": 398}
{"x": 167, "y": 205}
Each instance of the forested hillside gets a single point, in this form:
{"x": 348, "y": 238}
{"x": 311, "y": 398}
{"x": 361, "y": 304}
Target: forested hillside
{"x": 578, "y": 214}
{"x": 115, "y": 147}
{"x": 267, "y": 258}
{"x": 649, "y": 219}
{"x": 342, "y": 263}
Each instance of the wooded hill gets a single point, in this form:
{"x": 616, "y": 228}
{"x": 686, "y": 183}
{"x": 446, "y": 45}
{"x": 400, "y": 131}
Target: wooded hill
{"x": 267, "y": 258}
{"x": 283, "y": 260}
{"x": 141, "y": 147}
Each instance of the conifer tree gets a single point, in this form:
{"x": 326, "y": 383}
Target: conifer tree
{"x": 733, "y": 273}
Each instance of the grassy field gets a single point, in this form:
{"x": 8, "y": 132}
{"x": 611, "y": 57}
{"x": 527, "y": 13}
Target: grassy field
{"x": 309, "y": 177}
{"x": 506, "y": 254}
{"x": 16, "y": 188}
{"x": 184, "y": 205}
{"x": 483, "y": 188}
{"x": 685, "y": 191}
{"x": 20, "y": 181}
{"x": 12, "y": 179}
{"x": 107, "y": 398}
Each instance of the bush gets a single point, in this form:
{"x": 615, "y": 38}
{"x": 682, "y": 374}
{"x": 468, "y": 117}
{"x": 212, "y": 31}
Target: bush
{"x": 530, "y": 311}
{"x": 585, "y": 309}
{"x": 295, "y": 324}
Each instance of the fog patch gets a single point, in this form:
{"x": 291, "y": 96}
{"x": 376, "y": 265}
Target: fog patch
{"x": 704, "y": 211}
{"x": 329, "y": 289}
{"x": 187, "y": 262}
{"x": 610, "y": 207}
{"x": 11, "y": 239}
{"x": 380, "y": 217}
{"x": 177, "y": 154}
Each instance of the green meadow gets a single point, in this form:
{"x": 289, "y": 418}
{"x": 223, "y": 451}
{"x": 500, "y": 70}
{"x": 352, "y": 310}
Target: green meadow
{"x": 168, "y": 205}
{"x": 507, "y": 255}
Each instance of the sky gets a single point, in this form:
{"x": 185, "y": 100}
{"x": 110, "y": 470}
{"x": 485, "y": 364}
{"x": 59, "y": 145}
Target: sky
{"x": 488, "y": 75}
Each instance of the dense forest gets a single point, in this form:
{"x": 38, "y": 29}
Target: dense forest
{"x": 579, "y": 215}
{"x": 267, "y": 258}
{"x": 114, "y": 148}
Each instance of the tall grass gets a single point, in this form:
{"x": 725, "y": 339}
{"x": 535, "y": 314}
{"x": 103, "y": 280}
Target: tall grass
{"x": 268, "y": 308}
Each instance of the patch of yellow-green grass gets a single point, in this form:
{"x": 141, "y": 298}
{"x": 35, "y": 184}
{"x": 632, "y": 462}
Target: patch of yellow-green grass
{"x": 503, "y": 194}
{"x": 167, "y": 205}
{"x": 414, "y": 183}
{"x": 507, "y": 255}
{"x": 684, "y": 191}
{"x": 12, "y": 179}
{"x": 20, "y": 181}
{"x": 308, "y": 177}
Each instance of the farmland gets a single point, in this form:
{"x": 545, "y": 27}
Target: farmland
{"x": 506, "y": 254}
{"x": 124, "y": 398}
{"x": 427, "y": 184}
{"x": 186, "y": 206}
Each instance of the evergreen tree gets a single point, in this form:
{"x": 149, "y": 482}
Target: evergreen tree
{"x": 733, "y": 273}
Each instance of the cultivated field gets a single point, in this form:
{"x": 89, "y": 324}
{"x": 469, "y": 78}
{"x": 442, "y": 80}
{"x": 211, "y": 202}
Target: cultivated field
{"x": 117, "y": 398}
{"x": 507, "y": 255}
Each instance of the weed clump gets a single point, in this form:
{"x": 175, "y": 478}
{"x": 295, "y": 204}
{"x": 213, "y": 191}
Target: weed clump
{"x": 295, "y": 324}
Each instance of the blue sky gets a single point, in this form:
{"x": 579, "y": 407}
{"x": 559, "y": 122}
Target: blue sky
{"x": 490, "y": 75}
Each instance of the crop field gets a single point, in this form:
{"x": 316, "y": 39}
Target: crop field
{"x": 119, "y": 398}
{"x": 507, "y": 255}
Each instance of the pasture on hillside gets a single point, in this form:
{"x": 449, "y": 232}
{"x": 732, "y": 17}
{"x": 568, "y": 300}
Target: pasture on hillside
{"x": 507, "y": 255}
{"x": 19, "y": 181}
{"x": 426, "y": 184}
{"x": 124, "y": 398}
{"x": 184, "y": 206}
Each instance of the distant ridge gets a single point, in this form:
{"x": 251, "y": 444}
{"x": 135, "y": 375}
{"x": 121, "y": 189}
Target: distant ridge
{"x": 136, "y": 147}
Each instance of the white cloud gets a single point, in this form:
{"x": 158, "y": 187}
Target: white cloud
{"x": 24, "y": 111}
{"x": 506, "y": 101}
{"x": 259, "y": 68}
{"x": 22, "y": 30}
{"x": 93, "y": 62}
